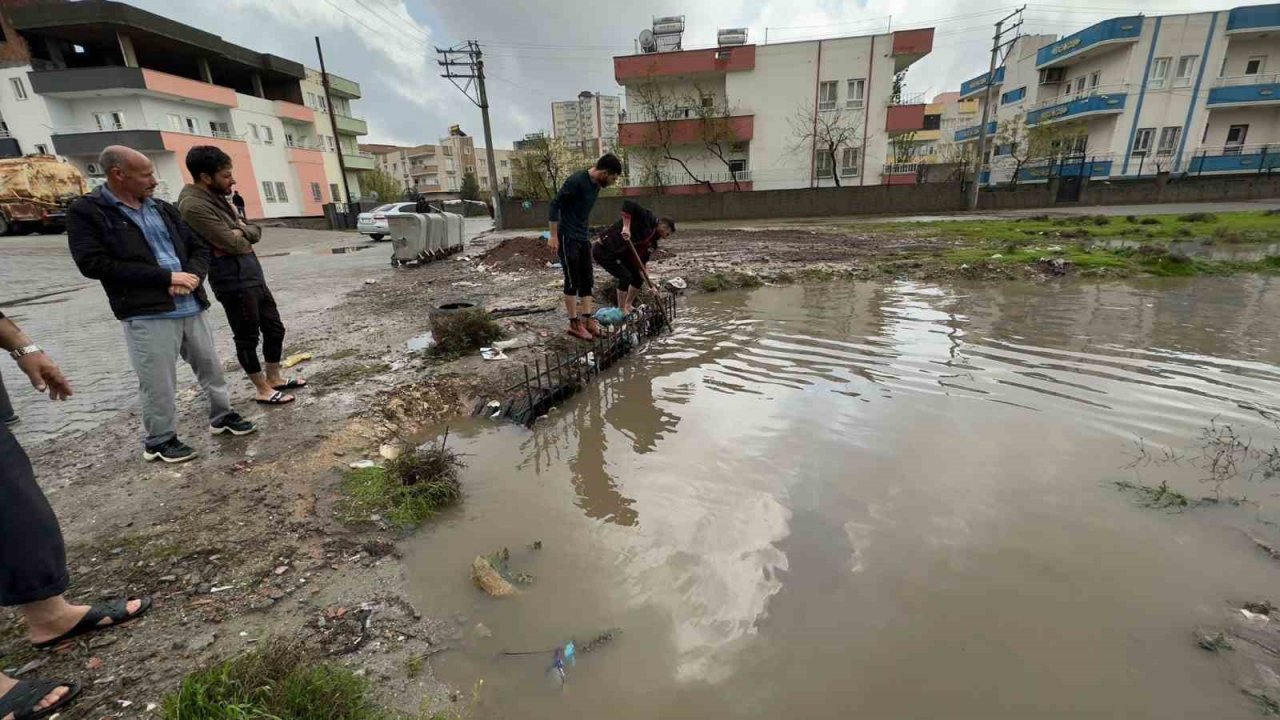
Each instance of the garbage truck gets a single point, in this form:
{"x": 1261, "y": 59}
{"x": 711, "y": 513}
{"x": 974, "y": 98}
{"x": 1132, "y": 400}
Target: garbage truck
{"x": 35, "y": 192}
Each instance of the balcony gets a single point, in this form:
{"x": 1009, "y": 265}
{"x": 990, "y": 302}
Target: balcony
{"x": 1094, "y": 40}
{"x": 294, "y": 112}
{"x": 971, "y": 133}
{"x": 1245, "y": 91}
{"x": 359, "y": 160}
{"x": 1236, "y": 159}
{"x": 348, "y": 125}
{"x": 343, "y": 87}
{"x": 909, "y": 46}
{"x": 971, "y": 88}
{"x": 907, "y": 173}
{"x": 720, "y": 182}
{"x": 1067, "y": 167}
{"x": 1079, "y": 107}
{"x": 904, "y": 118}
{"x": 738, "y": 128}
{"x": 92, "y": 81}
{"x": 684, "y": 63}
{"x": 80, "y": 142}
{"x": 1253, "y": 19}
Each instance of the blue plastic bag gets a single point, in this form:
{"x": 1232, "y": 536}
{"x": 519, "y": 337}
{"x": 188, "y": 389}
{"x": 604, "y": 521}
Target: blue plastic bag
{"x": 610, "y": 316}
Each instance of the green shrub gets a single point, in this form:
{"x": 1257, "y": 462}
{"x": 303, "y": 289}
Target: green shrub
{"x": 1148, "y": 221}
{"x": 1227, "y": 235}
{"x": 1131, "y": 219}
{"x": 407, "y": 491}
{"x": 464, "y": 332}
{"x": 1198, "y": 217}
{"x": 1101, "y": 220}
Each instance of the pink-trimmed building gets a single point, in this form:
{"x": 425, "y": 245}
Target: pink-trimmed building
{"x": 760, "y": 92}
{"x": 80, "y": 76}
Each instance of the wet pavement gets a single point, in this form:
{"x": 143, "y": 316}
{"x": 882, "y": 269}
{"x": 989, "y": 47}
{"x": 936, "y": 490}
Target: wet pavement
{"x": 308, "y": 271}
{"x": 893, "y": 497}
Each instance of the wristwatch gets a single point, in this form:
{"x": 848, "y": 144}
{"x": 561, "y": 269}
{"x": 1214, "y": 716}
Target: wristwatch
{"x": 24, "y": 351}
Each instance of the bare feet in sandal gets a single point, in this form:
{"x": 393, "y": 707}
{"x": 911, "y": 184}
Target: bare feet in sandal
{"x": 48, "y": 620}
{"x": 21, "y": 697}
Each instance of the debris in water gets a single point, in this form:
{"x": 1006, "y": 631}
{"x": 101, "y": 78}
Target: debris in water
{"x": 557, "y": 664}
{"x": 1253, "y": 617}
{"x": 492, "y": 353}
{"x": 489, "y": 580}
{"x": 610, "y": 316}
{"x": 677, "y": 283}
{"x": 363, "y": 464}
{"x": 295, "y": 359}
{"x": 1261, "y": 608}
{"x": 483, "y": 631}
{"x": 537, "y": 545}
{"x": 1213, "y": 643}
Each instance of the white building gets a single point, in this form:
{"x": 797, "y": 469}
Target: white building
{"x": 589, "y": 122}
{"x": 438, "y": 169}
{"x": 77, "y": 77}
{"x": 763, "y": 100}
{"x": 1195, "y": 93}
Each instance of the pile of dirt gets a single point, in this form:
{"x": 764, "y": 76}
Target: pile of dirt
{"x": 520, "y": 253}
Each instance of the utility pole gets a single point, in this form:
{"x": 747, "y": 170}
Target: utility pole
{"x": 998, "y": 43}
{"x": 464, "y": 61}
{"x": 333, "y": 122}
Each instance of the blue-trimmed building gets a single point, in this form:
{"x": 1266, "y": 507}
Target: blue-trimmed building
{"x": 1193, "y": 93}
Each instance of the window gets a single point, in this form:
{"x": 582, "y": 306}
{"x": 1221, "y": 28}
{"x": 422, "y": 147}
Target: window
{"x": 333, "y": 192}
{"x": 268, "y": 191}
{"x": 1168, "y": 140}
{"x": 826, "y": 164}
{"x": 281, "y": 195}
{"x": 288, "y": 139}
{"x": 316, "y": 193}
{"x": 857, "y": 94}
{"x": 827, "y": 96}
{"x": 1013, "y": 96}
{"x": 466, "y": 150}
{"x": 113, "y": 120}
{"x": 932, "y": 122}
{"x": 42, "y": 149}
{"x": 849, "y": 165}
{"x": 1236, "y": 135}
{"x": 19, "y": 89}
{"x": 192, "y": 126}
{"x": 1159, "y": 71}
{"x": 219, "y": 129}
{"x": 1095, "y": 80}
{"x": 329, "y": 141}
{"x": 502, "y": 163}
{"x": 1252, "y": 67}
{"x": 267, "y": 138}
{"x": 1080, "y": 85}
{"x": 708, "y": 102}
{"x": 175, "y": 122}
{"x": 1186, "y": 66}
{"x": 738, "y": 166}
{"x": 253, "y": 133}
{"x": 1142, "y": 141}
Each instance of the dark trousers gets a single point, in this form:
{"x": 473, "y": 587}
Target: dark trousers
{"x": 626, "y": 275}
{"x": 33, "y": 560}
{"x": 6, "y": 407}
{"x": 575, "y": 260}
{"x": 252, "y": 313}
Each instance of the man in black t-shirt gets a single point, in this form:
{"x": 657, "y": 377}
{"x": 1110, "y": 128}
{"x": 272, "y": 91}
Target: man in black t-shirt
{"x": 625, "y": 248}
{"x": 570, "y": 237}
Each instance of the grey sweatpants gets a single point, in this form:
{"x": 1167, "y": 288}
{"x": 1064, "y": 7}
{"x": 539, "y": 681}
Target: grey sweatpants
{"x": 154, "y": 348}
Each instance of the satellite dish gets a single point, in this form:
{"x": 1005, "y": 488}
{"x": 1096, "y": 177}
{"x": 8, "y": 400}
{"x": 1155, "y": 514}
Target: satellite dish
{"x": 647, "y": 42}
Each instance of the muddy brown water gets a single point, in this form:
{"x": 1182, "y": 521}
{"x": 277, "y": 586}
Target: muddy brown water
{"x": 883, "y": 500}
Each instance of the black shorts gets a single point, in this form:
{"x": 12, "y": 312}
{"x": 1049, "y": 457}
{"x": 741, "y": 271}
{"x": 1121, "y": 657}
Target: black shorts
{"x": 575, "y": 260}
{"x": 615, "y": 266}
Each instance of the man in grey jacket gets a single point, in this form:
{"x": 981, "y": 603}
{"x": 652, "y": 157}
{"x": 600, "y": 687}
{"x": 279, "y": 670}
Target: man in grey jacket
{"x": 235, "y": 273}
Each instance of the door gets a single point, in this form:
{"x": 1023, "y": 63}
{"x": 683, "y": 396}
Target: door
{"x": 1068, "y": 188}
{"x": 1235, "y": 139}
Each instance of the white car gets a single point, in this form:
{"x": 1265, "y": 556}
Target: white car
{"x": 374, "y": 222}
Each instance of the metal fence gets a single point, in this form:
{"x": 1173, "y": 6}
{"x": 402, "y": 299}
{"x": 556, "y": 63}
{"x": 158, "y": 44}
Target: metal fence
{"x": 555, "y": 377}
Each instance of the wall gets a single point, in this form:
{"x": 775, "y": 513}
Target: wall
{"x": 174, "y": 163}
{"x": 29, "y": 119}
{"x": 1263, "y": 122}
{"x": 1240, "y": 49}
{"x": 901, "y": 199}
{"x": 270, "y": 162}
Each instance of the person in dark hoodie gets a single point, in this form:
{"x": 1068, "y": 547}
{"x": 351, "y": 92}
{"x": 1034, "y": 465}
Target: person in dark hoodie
{"x": 625, "y": 247}
{"x": 152, "y": 268}
{"x": 235, "y": 273}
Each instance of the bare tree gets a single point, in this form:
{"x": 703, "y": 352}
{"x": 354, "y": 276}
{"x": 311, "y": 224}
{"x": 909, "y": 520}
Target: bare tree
{"x": 715, "y": 130}
{"x": 662, "y": 109}
{"x": 903, "y": 145}
{"x": 827, "y": 131}
{"x": 542, "y": 167}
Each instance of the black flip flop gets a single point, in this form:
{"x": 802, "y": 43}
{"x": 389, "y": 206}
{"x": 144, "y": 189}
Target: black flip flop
{"x": 291, "y": 384}
{"x": 117, "y": 610}
{"x": 23, "y": 698}
{"x": 277, "y": 398}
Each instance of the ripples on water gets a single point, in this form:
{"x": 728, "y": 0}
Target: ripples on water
{"x": 894, "y": 497}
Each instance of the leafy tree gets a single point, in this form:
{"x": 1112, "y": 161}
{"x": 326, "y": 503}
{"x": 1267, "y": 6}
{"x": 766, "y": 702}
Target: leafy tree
{"x": 541, "y": 168}
{"x": 1025, "y": 146}
{"x": 376, "y": 183}
{"x": 470, "y": 186}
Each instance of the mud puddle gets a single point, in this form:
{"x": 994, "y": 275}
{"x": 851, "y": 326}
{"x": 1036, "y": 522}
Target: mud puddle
{"x": 1242, "y": 252}
{"x": 898, "y": 498}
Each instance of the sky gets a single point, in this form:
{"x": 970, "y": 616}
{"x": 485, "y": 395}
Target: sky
{"x": 539, "y": 51}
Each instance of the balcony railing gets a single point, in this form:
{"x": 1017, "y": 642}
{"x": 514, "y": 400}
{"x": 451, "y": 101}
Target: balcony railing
{"x": 1262, "y": 88}
{"x": 907, "y": 168}
{"x": 717, "y": 178}
{"x": 972, "y": 132}
{"x": 1102, "y": 99}
{"x": 970, "y": 87}
{"x": 1254, "y": 18}
{"x": 299, "y": 145}
{"x": 907, "y": 99}
{"x": 1113, "y": 31}
{"x": 1263, "y": 158}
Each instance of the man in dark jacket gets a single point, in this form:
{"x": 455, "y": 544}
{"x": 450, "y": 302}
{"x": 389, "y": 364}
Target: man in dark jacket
{"x": 152, "y": 266}
{"x": 625, "y": 248}
{"x": 570, "y": 238}
{"x": 235, "y": 273}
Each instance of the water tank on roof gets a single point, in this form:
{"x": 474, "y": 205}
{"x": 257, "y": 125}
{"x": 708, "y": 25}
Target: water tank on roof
{"x": 669, "y": 25}
{"x": 731, "y": 36}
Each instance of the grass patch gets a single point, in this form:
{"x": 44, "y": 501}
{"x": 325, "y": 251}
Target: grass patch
{"x": 1156, "y": 496}
{"x": 464, "y": 332}
{"x": 407, "y": 491}
{"x": 720, "y": 281}
{"x": 1250, "y": 226}
{"x": 1198, "y": 217}
{"x": 345, "y": 374}
{"x": 278, "y": 681}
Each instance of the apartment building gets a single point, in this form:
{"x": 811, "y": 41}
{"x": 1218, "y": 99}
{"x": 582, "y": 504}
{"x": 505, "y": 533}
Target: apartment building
{"x": 437, "y": 170}
{"x": 1195, "y": 93}
{"x": 589, "y": 123}
{"x": 765, "y": 105}
{"x": 80, "y": 76}
{"x": 349, "y": 127}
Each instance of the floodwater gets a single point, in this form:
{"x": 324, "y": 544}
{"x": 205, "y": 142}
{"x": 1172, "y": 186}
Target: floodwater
{"x": 875, "y": 500}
